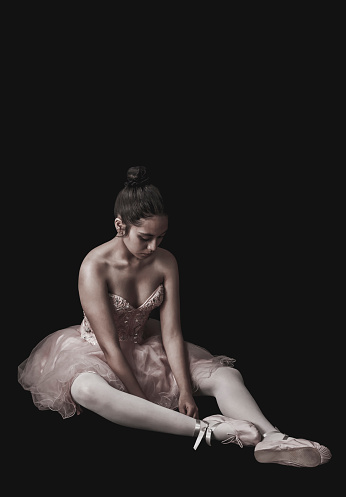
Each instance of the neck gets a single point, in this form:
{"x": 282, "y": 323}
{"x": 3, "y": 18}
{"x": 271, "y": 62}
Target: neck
{"x": 122, "y": 253}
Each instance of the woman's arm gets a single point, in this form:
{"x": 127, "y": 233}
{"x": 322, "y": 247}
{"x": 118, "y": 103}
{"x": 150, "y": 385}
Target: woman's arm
{"x": 94, "y": 298}
{"x": 172, "y": 337}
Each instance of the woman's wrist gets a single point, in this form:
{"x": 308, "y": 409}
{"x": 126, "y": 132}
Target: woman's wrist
{"x": 185, "y": 390}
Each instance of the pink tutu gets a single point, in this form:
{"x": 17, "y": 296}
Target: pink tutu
{"x": 58, "y": 359}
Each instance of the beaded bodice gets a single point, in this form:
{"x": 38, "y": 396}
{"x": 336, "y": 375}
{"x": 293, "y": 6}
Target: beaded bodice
{"x": 129, "y": 320}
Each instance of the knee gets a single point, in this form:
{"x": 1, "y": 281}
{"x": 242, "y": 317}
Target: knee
{"x": 83, "y": 389}
{"x": 225, "y": 376}
{"x": 236, "y": 374}
{"x": 219, "y": 380}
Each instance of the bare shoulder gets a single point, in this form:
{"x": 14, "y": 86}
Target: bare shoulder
{"x": 93, "y": 269}
{"x": 166, "y": 261}
{"x": 170, "y": 274}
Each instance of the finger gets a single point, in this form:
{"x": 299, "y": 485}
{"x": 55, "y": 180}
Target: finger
{"x": 188, "y": 410}
{"x": 182, "y": 410}
{"x": 191, "y": 411}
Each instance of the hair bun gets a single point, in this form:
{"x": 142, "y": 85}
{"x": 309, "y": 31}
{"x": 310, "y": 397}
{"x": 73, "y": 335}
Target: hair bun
{"x": 137, "y": 176}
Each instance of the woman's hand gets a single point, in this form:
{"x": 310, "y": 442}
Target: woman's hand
{"x": 187, "y": 405}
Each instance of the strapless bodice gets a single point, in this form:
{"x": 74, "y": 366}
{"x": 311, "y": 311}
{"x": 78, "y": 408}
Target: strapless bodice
{"x": 129, "y": 320}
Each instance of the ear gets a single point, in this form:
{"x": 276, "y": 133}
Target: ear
{"x": 119, "y": 226}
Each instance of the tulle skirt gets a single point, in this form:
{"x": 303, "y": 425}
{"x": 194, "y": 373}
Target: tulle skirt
{"x": 58, "y": 359}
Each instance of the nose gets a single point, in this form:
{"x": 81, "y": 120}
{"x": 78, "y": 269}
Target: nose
{"x": 152, "y": 245}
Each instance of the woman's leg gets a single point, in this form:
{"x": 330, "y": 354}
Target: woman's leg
{"x": 93, "y": 392}
{"x": 233, "y": 398}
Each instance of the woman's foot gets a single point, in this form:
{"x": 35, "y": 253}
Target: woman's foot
{"x": 276, "y": 447}
{"x": 226, "y": 430}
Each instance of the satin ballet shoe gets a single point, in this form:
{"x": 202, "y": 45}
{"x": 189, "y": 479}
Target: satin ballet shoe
{"x": 240, "y": 432}
{"x": 294, "y": 452}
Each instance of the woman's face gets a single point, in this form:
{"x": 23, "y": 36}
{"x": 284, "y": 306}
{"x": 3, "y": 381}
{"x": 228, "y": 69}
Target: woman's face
{"x": 143, "y": 240}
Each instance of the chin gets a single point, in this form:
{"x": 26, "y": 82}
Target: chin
{"x": 144, "y": 256}
{"x": 141, "y": 256}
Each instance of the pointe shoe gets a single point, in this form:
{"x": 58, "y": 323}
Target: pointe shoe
{"x": 241, "y": 432}
{"x": 294, "y": 452}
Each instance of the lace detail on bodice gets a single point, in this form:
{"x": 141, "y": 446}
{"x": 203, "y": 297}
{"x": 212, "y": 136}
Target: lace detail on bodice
{"x": 129, "y": 320}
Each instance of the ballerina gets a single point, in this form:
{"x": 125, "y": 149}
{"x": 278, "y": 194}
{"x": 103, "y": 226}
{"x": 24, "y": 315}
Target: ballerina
{"x": 137, "y": 371}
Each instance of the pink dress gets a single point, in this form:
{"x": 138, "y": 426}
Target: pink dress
{"x": 59, "y": 358}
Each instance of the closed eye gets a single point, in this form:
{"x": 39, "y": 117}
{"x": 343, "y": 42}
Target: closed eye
{"x": 147, "y": 239}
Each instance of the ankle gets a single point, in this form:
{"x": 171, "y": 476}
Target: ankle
{"x": 199, "y": 426}
{"x": 273, "y": 435}
{"x": 200, "y": 432}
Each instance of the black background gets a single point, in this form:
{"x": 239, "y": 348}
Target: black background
{"x": 245, "y": 152}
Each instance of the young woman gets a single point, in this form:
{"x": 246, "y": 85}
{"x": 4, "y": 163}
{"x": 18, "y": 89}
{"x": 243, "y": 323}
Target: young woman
{"x": 136, "y": 371}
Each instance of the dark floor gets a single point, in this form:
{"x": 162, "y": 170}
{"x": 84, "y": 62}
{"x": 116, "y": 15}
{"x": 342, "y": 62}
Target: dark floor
{"x": 86, "y": 452}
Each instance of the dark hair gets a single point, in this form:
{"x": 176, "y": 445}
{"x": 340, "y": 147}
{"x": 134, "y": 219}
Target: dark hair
{"x": 139, "y": 199}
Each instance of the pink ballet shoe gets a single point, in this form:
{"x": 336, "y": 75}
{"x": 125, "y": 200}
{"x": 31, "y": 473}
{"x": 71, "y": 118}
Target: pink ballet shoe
{"x": 295, "y": 452}
{"x": 241, "y": 432}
